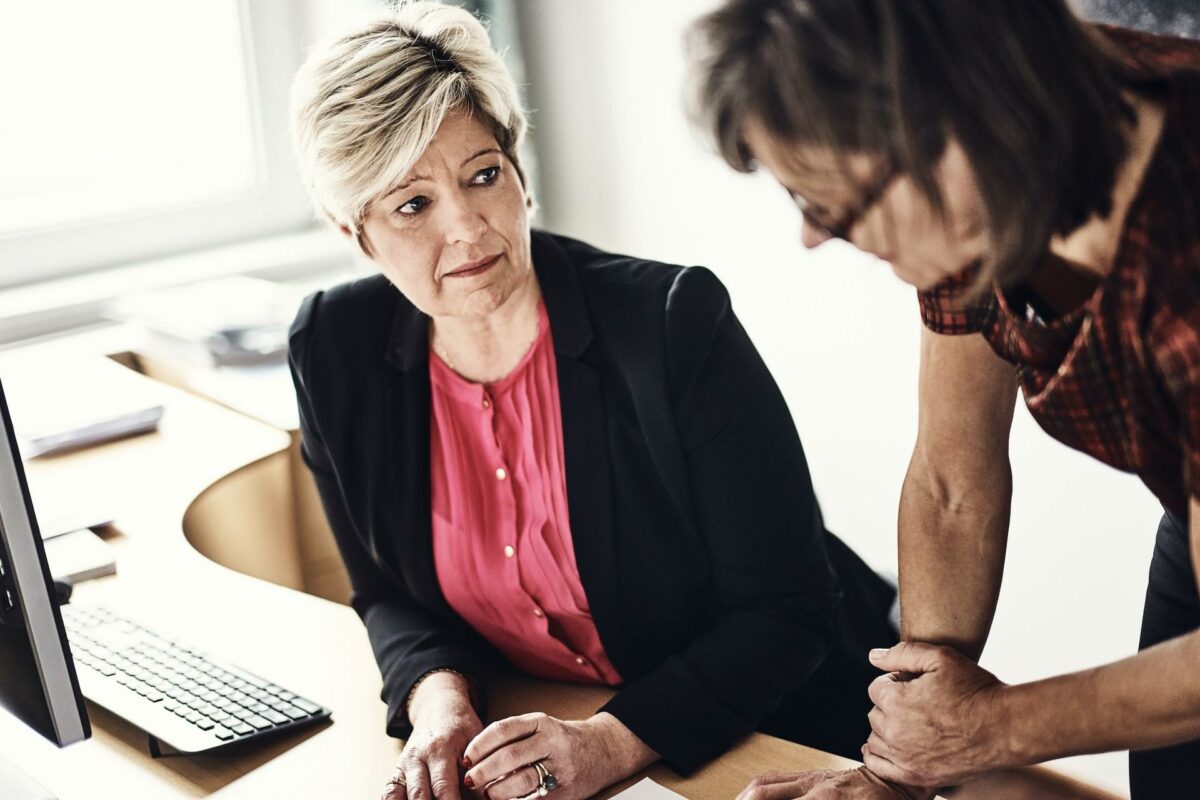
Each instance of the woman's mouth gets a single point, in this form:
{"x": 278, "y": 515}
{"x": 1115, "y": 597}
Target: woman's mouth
{"x": 473, "y": 268}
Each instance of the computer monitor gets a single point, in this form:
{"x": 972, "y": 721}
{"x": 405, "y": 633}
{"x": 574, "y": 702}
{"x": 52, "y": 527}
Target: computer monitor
{"x": 38, "y": 684}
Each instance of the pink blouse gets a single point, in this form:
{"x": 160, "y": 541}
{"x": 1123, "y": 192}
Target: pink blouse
{"x": 501, "y": 535}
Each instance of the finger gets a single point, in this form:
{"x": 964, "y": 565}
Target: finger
{"x": 915, "y": 657}
{"x": 443, "y": 778}
{"x": 766, "y": 779}
{"x": 879, "y": 688}
{"x": 416, "y": 779}
{"x": 875, "y": 717}
{"x": 508, "y": 759}
{"x": 500, "y": 733}
{"x": 518, "y": 784}
{"x": 879, "y": 746}
{"x": 886, "y": 769}
{"x": 394, "y": 791}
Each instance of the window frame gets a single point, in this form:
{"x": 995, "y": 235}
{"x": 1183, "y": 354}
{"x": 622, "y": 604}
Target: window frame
{"x": 277, "y": 203}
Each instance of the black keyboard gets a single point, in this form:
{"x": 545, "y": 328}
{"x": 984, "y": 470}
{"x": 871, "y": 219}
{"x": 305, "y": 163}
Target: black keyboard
{"x": 174, "y": 693}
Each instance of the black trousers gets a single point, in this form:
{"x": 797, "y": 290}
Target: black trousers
{"x": 1172, "y": 609}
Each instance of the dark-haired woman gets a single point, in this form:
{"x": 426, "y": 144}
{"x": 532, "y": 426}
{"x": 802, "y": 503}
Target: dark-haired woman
{"x": 1037, "y": 179}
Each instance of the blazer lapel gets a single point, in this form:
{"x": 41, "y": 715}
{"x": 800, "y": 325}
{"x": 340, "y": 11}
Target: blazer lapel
{"x": 585, "y": 440}
{"x": 589, "y": 493}
{"x": 404, "y": 524}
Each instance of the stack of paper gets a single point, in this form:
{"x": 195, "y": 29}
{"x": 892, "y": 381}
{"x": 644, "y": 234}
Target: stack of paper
{"x": 80, "y": 556}
{"x": 59, "y": 411}
{"x": 234, "y": 321}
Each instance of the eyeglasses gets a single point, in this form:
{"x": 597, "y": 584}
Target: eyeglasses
{"x": 838, "y": 225}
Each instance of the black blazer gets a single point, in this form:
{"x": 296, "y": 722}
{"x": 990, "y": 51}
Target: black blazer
{"x": 698, "y": 538}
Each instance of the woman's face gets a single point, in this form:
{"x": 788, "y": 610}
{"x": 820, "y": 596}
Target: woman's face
{"x": 453, "y": 234}
{"x": 900, "y": 227}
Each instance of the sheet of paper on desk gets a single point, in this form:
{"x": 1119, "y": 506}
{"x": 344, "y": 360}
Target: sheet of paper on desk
{"x": 647, "y": 789}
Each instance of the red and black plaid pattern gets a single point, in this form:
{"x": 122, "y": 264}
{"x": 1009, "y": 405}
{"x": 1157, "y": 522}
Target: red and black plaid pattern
{"x": 1119, "y": 377}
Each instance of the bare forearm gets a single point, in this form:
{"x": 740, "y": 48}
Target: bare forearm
{"x": 1146, "y": 701}
{"x": 952, "y": 558}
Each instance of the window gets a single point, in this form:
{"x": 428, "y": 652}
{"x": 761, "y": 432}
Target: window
{"x": 143, "y": 128}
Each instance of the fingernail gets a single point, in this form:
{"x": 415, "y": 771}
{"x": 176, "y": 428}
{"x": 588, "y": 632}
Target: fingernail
{"x": 468, "y": 782}
{"x": 466, "y": 762}
{"x": 878, "y": 653}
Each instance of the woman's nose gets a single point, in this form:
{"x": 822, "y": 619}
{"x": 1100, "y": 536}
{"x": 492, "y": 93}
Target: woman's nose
{"x": 463, "y": 223}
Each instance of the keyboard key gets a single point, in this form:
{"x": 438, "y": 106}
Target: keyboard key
{"x": 241, "y": 729}
{"x": 258, "y": 722}
{"x": 205, "y": 724}
{"x": 293, "y": 713}
{"x": 222, "y": 733}
{"x": 311, "y": 708}
{"x": 275, "y": 717}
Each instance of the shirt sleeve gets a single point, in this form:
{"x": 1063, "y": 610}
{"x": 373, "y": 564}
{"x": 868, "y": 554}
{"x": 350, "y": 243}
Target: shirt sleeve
{"x": 1175, "y": 344}
{"x": 945, "y": 310}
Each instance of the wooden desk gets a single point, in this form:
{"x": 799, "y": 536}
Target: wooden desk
{"x": 162, "y": 483}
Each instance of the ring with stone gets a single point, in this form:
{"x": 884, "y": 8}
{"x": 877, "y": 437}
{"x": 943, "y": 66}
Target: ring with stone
{"x": 546, "y": 780}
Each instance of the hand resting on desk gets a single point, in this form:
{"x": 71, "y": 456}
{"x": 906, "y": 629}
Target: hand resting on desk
{"x": 444, "y": 723}
{"x": 584, "y": 756}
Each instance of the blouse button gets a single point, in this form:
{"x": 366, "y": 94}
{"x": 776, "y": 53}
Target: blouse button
{"x": 487, "y": 403}
{"x": 508, "y": 551}
{"x": 579, "y": 660}
{"x": 501, "y": 474}
{"x": 537, "y": 612}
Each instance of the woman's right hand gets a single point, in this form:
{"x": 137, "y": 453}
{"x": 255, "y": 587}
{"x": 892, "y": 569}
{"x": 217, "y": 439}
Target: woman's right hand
{"x": 444, "y": 723}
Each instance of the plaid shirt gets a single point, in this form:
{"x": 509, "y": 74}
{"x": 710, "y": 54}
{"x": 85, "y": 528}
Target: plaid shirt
{"x": 1119, "y": 377}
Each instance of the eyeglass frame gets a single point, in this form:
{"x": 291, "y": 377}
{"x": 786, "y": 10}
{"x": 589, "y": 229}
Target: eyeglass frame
{"x": 839, "y": 228}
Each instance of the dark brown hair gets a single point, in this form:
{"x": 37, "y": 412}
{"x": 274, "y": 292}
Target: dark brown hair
{"x": 1031, "y": 92}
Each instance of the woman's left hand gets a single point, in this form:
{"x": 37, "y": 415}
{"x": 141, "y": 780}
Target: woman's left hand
{"x": 938, "y": 717}
{"x": 584, "y": 757}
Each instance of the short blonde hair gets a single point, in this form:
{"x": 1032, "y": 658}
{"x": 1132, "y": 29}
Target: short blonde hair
{"x": 367, "y": 102}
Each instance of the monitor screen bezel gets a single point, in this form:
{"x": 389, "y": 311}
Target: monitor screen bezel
{"x": 35, "y": 595}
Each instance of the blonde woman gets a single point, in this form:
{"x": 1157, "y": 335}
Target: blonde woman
{"x": 533, "y": 449}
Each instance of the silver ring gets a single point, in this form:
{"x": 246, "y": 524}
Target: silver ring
{"x": 547, "y": 783}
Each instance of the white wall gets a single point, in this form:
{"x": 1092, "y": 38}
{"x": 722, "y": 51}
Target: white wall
{"x": 622, "y": 168}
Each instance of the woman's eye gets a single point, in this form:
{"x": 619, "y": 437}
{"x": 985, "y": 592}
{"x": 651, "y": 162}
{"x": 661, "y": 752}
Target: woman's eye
{"x": 485, "y": 176}
{"x": 413, "y": 206}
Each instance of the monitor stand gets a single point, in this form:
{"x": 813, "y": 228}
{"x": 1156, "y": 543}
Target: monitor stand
{"x": 16, "y": 785}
